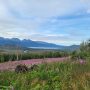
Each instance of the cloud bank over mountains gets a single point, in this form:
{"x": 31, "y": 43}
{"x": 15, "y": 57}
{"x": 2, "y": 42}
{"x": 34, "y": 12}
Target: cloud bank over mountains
{"x": 57, "y": 21}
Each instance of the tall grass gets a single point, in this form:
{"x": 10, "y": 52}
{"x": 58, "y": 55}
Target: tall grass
{"x": 55, "y": 76}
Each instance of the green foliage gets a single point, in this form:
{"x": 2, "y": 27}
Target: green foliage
{"x": 83, "y": 53}
{"x": 55, "y": 76}
{"x": 24, "y": 56}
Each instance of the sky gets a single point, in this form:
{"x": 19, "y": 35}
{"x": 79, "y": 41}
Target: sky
{"x": 63, "y": 22}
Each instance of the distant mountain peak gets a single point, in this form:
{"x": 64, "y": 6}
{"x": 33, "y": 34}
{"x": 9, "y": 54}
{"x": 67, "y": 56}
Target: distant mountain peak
{"x": 29, "y": 43}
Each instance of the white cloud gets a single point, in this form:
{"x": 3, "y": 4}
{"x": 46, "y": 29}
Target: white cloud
{"x": 4, "y": 13}
{"x": 43, "y": 8}
{"x": 58, "y": 39}
{"x": 86, "y": 4}
{"x": 25, "y": 18}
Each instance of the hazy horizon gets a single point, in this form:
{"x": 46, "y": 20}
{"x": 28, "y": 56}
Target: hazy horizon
{"x": 40, "y": 41}
{"x": 62, "y": 22}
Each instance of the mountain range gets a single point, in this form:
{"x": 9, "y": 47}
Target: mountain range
{"x": 15, "y": 42}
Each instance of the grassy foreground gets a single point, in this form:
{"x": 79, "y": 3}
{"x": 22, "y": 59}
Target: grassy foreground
{"x": 55, "y": 76}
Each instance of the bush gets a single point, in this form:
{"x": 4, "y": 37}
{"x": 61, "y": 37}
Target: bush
{"x": 21, "y": 69}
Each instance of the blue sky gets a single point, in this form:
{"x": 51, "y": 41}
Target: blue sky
{"x": 63, "y": 22}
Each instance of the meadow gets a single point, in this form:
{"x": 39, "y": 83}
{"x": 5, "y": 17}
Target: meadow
{"x": 72, "y": 74}
{"x": 49, "y": 76}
